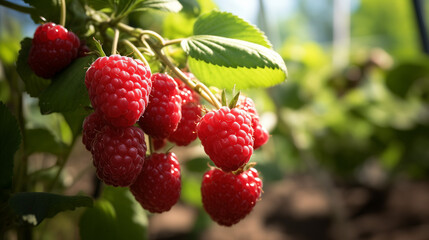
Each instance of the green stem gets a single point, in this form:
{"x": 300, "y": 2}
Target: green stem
{"x": 115, "y": 42}
{"x": 198, "y": 87}
{"x": 63, "y": 13}
{"x": 17, "y": 7}
{"x": 171, "y": 42}
{"x": 136, "y": 50}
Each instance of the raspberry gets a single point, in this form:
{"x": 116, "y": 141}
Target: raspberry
{"x": 158, "y": 186}
{"x": 92, "y": 125}
{"x": 119, "y": 154}
{"x": 186, "y": 130}
{"x": 158, "y": 143}
{"x": 119, "y": 88}
{"x": 186, "y": 93}
{"x": 226, "y": 135}
{"x": 227, "y": 197}
{"x": 53, "y": 48}
{"x": 260, "y": 134}
{"x": 164, "y": 110}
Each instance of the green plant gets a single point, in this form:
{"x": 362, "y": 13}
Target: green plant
{"x": 223, "y": 52}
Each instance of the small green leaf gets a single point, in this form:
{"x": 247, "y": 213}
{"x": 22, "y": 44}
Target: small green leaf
{"x": 225, "y": 63}
{"x": 403, "y": 77}
{"x": 75, "y": 119}
{"x": 67, "y": 91}
{"x": 10, "y": 139}
{"x": 225, "y": 24}
{"x": 162, "y": 5}
{"x": 40, "y": 10}
{"x": 33, "y": 207}
{"x": 131, "y": 220}
{"x": 34, "y": 85}
{"x": 98, "y": 222}
{"x": 42, "y": 140}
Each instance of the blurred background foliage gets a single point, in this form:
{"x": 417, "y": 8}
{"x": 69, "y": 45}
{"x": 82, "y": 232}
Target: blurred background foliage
{"x": 363, "y": 122}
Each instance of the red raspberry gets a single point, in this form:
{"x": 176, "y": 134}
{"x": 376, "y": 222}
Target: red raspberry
{"x": 53, "y": 48}
{"x": 227, "y": 197}
{"x": 158, "y": 186}
{"x": 164, "y": 110}
{"x": 186, "y": 130}
{"x": 226, "y": 135}
{"x": 186, "y": 93}
{"x": 119, "y": 88}
{"x": 92, "y": 125}
{"x": 119, "y": 154}
{"x": 260, "y": 134}
{"x": 158, "y": 143}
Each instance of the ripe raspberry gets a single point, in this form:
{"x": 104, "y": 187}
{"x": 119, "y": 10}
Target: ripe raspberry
{"x": 227, "y": 197}
{"x": 226, "y": 135}
{"x": 260, "y": 134}
{"x": 92, "y": 125}
{"x": 53, "y": 48}
{"x": 164, "y": 110}
{"x": 119, "y": 154}
{"x": 158, "y": 143}
{"x": 186, "y": 93}
{"x": 186, "y": 130}
{"x": 158, "y": 186}
{"x": 119, "y": 88}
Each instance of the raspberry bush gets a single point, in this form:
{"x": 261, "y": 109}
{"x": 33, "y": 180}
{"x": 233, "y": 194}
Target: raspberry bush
{"x": 119, "y": 86}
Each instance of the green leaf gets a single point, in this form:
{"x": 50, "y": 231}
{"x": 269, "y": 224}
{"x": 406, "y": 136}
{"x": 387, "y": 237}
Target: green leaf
{"x": 67, "y": 91}
{"x": 225, "y": 63}
{"x": 225, "y": 24}
{"x": 34, "y": 85}
{"x": 98, "y": 222}
{"x": 10, "y": 139}
{"x": 119, "y": 213}
{"x": 75, "y": 119}
{"x": 33, "y": 207}
{"x": 41, "y": 7}
{"x": 131, "y": 220}
{"x": 403, "y": 77}
{"x": 42, "y": 140}
{"x": 162, "y": 5}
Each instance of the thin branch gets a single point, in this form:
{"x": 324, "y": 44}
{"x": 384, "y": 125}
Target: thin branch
{"x": 63, "y": 13}
{"x": 136, "y": 50}
{"x": 17, "y": 7}
{"x": 115, "y": 42}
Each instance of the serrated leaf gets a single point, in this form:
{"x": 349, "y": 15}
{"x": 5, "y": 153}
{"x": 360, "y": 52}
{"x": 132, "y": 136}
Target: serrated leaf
{"x": 41, "y": 140}
{"x": 67, "y": 91}
{"x": 34, "y": 85}
{"x": 40, "y": 10}
{"x": 33, "y": 207}
{"x": 400, "y": 79}
{"x": 225, "y": 24}
{"x": 162, "y": 5}
{"x": 225, "y": 63}
{"x": 10, "y": 139}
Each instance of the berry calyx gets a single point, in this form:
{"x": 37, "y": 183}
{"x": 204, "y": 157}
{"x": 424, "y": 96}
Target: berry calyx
{"x": 119, "y": 88}
{"x": 163, "y": 113}
{"x": 53, "y": 48}
{"x": 227, "y": 137}
{"x": 228, "y": 197}
{"x": 158, "y": 186}
{"x": 119, "y": 154}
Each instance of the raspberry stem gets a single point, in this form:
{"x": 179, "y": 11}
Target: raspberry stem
{"x": 63, "y": 13}
{"x": 115, "y": 41}
{"x": 136, "y": 51}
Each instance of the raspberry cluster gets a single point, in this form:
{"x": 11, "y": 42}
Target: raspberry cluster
{"x": 130, "y": 103}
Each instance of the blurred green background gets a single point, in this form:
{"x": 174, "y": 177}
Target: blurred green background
{"x": 349, "y": 128}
